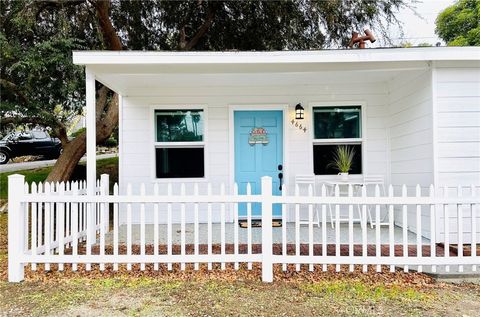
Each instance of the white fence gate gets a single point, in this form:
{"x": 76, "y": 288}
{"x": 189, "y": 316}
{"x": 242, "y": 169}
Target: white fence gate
{"x": 63, "y": 224}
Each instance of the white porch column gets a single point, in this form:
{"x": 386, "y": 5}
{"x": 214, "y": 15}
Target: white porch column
{"x": 91, "y": 131}
{"x": 91, "y": 151}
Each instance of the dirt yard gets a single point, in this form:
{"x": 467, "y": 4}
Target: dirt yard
{"x": 218, "y": 293}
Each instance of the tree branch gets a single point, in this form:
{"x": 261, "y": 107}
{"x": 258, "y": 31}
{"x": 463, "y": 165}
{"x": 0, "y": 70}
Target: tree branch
{"x": 61, "y": 133}
{"x": 211, "y": 10}
{"x": 183, "y": 38}
{"x": 110, "y": 37}
{"x": 102, "y": 94}
{"x": 13, "y": 88}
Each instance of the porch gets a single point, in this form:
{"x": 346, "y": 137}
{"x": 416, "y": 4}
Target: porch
{"x": 63, "y": 224}
{"x": 256, "y": 234}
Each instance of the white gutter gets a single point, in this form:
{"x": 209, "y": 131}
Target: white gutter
{"x": 275, "y": 57}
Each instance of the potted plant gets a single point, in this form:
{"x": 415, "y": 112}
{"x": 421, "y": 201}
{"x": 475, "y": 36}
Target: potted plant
{"x": 343, "y": 160}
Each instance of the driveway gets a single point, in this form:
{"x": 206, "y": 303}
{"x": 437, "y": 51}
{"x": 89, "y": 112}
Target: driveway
{"x": 11, "y": 167}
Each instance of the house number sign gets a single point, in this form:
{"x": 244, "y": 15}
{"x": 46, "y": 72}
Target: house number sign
{"x": 298, "y": 125}
{"x": 258, "y": 136}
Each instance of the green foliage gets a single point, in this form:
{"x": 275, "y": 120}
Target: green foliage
{"x": 424, "y": 44}
{"x": 342, "y": 158}
{"x": 34, "y": 175}
{"x": 111, "y": 142}
{"x": 406, "y": 45}
{"x": 78, "y": 132}
{"x": 41, "y": 86}
{"x": 105, "y": 166}
{"x": 459, "y": 24}
{"x": 410, "y": 45}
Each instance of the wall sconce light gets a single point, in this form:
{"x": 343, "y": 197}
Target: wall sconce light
{"x": 299, "y": 112}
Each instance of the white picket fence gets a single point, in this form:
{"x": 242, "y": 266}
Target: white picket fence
{"x": 62, "y": 224}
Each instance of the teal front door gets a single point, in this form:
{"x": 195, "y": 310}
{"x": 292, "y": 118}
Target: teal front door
{"x": 258, "y": 152}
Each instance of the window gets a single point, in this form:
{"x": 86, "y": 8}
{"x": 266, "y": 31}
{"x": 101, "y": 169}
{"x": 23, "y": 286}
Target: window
{"x": 179, "y": 143}
{"x": 337, "y": 122}
{"x": 24, "y": 136}
{"x": 39, "y": 134}
{"x": 334, "y": 126}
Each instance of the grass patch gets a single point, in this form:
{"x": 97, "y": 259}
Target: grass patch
{"x": 40, "y": 299}
{"x": 34, "y": 175}
{"x": 137, "y": 295}
{"x": 128, "y": 282}
{"x": 359, "y": 290}
{"x": 104, "y": 166}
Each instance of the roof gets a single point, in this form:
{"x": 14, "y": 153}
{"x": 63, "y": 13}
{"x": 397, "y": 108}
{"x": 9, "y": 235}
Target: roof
{"x": 278, "y": 57}
{"x": 141, "y": 73}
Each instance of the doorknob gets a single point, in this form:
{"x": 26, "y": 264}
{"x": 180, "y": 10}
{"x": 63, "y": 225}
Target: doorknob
{"x": 280, "y": 179}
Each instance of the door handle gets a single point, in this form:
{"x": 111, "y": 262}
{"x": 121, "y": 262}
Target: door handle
{"x": 280, "y": 178}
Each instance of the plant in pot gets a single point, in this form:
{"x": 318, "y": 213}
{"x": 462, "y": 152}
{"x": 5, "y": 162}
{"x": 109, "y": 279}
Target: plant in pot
{"x": 342, "y": 160}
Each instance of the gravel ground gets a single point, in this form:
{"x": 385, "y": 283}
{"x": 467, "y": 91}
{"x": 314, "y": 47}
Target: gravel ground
{"x": 229, "y": 292}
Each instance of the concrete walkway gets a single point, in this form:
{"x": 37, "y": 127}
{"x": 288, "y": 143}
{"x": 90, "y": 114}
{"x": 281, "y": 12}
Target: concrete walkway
{"x": 257, "y": 234}
{"x": 12, "y": 167}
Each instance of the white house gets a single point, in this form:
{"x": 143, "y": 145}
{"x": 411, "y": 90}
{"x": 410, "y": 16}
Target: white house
{"x": 412, "y": 115}
{"x": 195, "y": 127}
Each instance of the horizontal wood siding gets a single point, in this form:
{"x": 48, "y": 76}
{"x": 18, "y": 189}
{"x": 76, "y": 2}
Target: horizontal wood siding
{"x": 411, "y": 129}
{"x": 458, "y": 138}
{"x": 137, "y": 163}
{"x": 458, "y": 125}
{"x": 410, "y": 125}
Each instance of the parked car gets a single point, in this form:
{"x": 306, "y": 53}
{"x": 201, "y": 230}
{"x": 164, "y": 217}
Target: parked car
{"x": 35, "y": 142}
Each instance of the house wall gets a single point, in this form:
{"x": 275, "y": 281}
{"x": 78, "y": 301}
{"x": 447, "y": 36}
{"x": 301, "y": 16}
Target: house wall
{"x": 434, "y": 138}
{"x": 410, "y": 125}
{"x": 457, "y": 125}
{"x": 136, "y": 126}
{"x": 457, "y": 133}
{"x": 410, "y": 129}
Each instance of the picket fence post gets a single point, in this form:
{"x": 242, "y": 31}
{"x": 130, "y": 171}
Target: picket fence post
{"x": 16, "y": 227}
{"x": 267, "y": 255}
{"x": 105, "y": 190}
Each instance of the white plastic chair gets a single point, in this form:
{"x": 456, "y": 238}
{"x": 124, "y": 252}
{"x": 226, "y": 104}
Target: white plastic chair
{"x": 307, "y": 180}
{"x": 374, "y": 180}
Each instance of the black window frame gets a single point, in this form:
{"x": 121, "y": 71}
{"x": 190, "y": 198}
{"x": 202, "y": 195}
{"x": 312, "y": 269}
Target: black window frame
{"x": 180, "y": 144}
{"x": 340, "y": 141}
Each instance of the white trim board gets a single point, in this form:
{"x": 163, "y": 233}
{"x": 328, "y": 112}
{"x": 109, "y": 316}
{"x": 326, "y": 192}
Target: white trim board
{"x": 274, "y": 57}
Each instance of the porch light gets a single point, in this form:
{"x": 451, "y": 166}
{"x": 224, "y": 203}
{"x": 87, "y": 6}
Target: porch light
{"x": 299, "y": 112}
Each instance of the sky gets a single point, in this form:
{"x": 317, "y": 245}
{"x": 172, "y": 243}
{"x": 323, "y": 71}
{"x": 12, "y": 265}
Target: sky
{"x": 419, "y": 29}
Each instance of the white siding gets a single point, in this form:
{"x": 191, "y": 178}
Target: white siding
{"x": 410, "y": 138}
{"x": 137, "y": 163}
{"x": 411, "y": 129}
{"x": 458, "y": 126}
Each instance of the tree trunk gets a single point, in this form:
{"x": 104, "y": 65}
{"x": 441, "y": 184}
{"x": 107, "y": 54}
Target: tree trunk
{"x": 68, "y": 160}
{"x": 74, "y": 150}
{"x": 106, "y": 111}
{"x": 107, "y": 114}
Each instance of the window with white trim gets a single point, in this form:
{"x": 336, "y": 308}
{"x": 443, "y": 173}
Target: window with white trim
{"x": 334, "y": 126}
{"x": 179, "y": 143}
